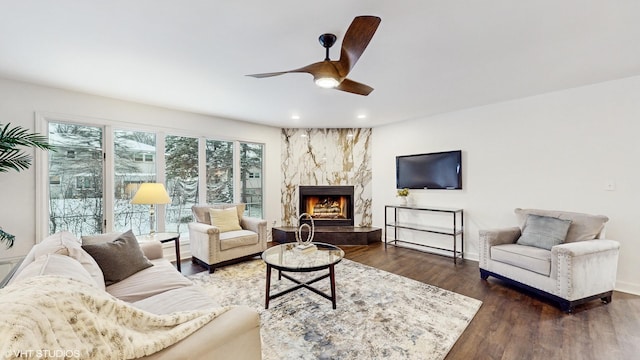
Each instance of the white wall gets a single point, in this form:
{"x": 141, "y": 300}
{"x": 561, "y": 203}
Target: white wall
{"x": 553, "y": 151}
{"x": 19, "y": 102}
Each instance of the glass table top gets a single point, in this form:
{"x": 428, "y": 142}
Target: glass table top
{"x": 287, "y": 257}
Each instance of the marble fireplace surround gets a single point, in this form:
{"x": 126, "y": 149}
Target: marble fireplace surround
{"x": 331, "y": 157}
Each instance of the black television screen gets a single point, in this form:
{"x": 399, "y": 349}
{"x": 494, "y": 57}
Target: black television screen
{"x": 441, "y": 170}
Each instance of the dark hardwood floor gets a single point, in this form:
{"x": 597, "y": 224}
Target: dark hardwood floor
{"x": 511, "y": 324}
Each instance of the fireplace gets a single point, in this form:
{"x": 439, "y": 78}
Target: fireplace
{"x": 328, "y": 205}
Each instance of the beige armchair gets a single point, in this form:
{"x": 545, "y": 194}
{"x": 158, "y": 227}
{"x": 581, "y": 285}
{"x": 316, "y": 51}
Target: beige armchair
{"x": 580, "y": 268}
{"x": 212, "y": 248}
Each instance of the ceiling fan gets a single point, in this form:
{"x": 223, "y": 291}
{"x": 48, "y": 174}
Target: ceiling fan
{"x": 333, "y": 74}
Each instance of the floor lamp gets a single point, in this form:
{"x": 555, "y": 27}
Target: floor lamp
{"x": 151, "y": 194}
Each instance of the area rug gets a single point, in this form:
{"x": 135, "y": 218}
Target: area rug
{"x": 379, "y": 314}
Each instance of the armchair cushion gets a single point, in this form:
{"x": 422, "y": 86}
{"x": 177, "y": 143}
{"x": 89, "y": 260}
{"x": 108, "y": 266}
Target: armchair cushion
{"x": 225, "y": 219}
{"x": 526, "y": 257}
{"x": 543, "y": 231}
{"x": 232, "y": 239}
{"x": 583, "y": 226}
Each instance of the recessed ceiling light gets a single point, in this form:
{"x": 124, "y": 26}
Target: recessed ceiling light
{"x": 295, "y": 117}
{"x": 362, "y": 116}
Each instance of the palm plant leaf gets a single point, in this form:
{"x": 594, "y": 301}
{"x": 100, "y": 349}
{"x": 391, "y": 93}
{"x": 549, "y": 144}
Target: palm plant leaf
{"x": 14, "y": 158}
{"x": 11, "y": 157}
{"x": 6, "y": 237}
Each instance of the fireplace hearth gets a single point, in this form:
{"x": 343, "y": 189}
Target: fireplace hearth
{"x": 327, "y": 205}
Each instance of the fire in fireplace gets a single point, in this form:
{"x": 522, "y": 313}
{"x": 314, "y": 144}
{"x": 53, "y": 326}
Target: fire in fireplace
{"x": 328, "y": 205}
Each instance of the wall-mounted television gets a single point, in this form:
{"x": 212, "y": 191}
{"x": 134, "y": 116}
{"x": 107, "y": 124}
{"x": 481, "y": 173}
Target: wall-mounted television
{"x": 440, "y": 170}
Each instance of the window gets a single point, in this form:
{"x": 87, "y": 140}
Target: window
{"x": 181, "y": 169}
{"x": 93, "y": 160}
{"x": 129, "y": 174}
{"x": 75, "y": 186}
{"x": 219, "y": 171}
{"x": 84, "y": 183}
{"x": 250, "y": 176}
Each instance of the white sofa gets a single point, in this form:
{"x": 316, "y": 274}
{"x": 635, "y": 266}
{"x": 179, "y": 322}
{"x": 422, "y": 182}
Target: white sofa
{"x": 159, "y": 289}
{"x": 581, "y": 268}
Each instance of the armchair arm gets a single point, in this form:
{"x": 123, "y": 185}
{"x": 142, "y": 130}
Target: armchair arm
{"x": 204, "y": 241}
{"x": 500, "y": 236}
{"x": 256, "y": 225}
{"x": 203, "y": 229}
{"x": 492, "y": 237}
{"x": 584, "y": 268}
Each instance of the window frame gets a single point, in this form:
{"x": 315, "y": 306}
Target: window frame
{"x": 109, "y": 127}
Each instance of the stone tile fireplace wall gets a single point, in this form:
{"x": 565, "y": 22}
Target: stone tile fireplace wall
{"x": 326, "y": 157}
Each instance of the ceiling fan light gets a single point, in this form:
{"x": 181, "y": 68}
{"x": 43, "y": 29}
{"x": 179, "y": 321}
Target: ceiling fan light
{"x": 327, "y": 82}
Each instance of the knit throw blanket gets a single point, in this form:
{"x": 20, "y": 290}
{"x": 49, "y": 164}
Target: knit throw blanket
{"x": 61, "y": 318}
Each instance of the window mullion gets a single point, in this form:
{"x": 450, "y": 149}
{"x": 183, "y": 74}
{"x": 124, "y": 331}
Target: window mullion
{"x": 108, "y": 150}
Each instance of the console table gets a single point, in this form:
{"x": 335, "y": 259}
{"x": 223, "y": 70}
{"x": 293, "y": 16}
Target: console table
{"x": 456, "y": 230}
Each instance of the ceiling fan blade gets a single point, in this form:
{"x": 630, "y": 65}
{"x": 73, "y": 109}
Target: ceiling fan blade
{"x": 319, "y": 69}
{"x": 327, "y": 68}
{"x": 355, "y": 41}
{"x": 265, "y": 75}
{"x": 354, "y": 87}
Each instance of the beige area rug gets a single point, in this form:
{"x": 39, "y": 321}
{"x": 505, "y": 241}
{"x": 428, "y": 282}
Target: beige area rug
{"x": 379, "y": 315}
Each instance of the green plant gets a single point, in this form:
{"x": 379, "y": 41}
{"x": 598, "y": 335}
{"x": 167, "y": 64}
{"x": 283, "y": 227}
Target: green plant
{"x": 13, "y": 157}
{"x": 403, "y": 192}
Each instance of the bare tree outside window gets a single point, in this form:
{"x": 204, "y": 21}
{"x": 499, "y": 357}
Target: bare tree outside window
{"x": 76, "y": 173}
{"x": 135, "y": 164}
{"x": 181, "y": 166}
{"x": 251, "y": 178}
{"x": 219, "y": 171}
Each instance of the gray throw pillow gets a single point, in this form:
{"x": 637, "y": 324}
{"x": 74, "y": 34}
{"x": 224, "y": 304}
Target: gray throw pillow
{"x": 544, "y": 231}
{"x": 119, "y": 258}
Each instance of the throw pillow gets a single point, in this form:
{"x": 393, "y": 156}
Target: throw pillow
{"x": 100, "y": 238}
{"x": 55, "y": 264}
{"x": 544, "y": 231}
{"x": 583, "y": 226}
{"x": 65, "y": 243}
{"x": 225, "y": 219}
{"x": 119, "y": 258}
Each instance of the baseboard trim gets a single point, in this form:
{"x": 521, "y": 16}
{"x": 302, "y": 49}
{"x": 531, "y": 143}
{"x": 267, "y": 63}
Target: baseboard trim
{"x": 627, "y": 287}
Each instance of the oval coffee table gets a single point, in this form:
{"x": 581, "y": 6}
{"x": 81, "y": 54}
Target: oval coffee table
{"x": 287, "y": 258}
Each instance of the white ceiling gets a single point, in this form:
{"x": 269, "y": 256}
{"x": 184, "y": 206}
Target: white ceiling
{"x": 427, "y": 57}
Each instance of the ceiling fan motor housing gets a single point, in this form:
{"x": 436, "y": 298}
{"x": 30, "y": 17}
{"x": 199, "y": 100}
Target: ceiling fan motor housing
{"x": 327, "y": 41}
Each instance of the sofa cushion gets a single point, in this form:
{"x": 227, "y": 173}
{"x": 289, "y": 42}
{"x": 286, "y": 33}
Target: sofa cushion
{"x": 56, "y": 264}
{"x": 232, "y": 239}
{"x": 120, "y": 258}
{"x": 526, "y": 257}
{"x": 65, "y": 243}
{"x": 583, "y": 226}
{"x": 544, "y": 231}
{"x": 201, "y": 212}
{"x": 225, "y": 219}
{"x": 161, "y": 277}
{"x": 181, "y": 299}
